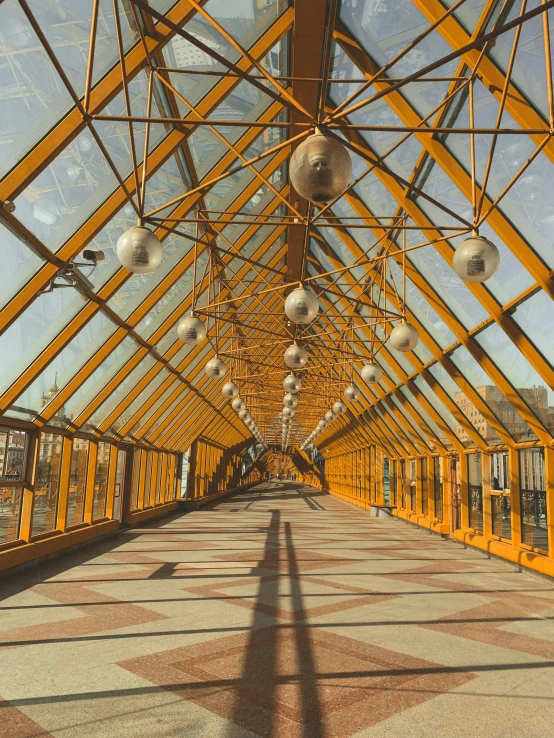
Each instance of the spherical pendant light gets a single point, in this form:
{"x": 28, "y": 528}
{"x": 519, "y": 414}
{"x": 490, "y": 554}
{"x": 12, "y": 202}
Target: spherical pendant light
{"x": 230, "y": 389}
{"x": 139, "y": 250}
{"x": 351, "y": 394}
{"x": 238, "y": 404}
{"x": 244, "y": 414}
{"x": 292, "y": 383}
{"x": 191, "y": 330}
{"x": 320, "y": 168}
{"x": 215, "y": 368}
{"x": 404, "y": 337}
{"x": 476, "y": 259}
{"x": 296, "y": 356}
{"x": 289, "y": 412}
{"x": 371, "y": 373}
{"x": 290, "y": 400}
{"x": 330, "y": 416}
{"x": 339, "y": 407}
{"x": 301, "y": 306}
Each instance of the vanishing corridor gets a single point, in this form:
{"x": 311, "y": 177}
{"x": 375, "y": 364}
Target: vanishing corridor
{"x": 278, "y": 612}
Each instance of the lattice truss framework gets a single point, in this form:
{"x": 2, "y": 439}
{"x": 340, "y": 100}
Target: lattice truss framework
{"x": 186, "y": 114}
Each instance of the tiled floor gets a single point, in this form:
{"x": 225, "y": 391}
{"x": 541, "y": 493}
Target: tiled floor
{"x": 283, "y": 613}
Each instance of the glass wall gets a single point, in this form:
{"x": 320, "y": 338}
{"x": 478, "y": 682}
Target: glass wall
{"x": 10, "y": 513}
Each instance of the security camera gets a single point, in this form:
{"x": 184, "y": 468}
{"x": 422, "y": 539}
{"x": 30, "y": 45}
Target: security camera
{"x": 94, "y": 255}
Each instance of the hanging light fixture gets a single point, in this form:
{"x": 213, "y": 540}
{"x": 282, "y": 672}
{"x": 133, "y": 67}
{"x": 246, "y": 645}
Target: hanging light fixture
{"x": 139, "y": 250}
{"x": 320, "y": 168}
{"x": 476, "y": 259}
{"x": 296, "y": 356}
{"x": 290, "y": 400}
{"x": 230, "y": 389}
{"x": 339, "y": 407}
{"x": 238, "y": 404}
{"x": 191, "y": 330}
{"x": 330, "y": 416}
{"x": 404, "y": 337}
{"x": 215, "y": 368}
{"x": 351, "y": 393}
{"x": 371, "y": 373}
{"x": 292, "y": 383}
{"x": 289, "y": 412}
{"x": 301, "y": 306}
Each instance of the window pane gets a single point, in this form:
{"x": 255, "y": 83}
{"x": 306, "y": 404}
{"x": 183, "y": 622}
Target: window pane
{"x": 48, "y": 483}
{"x": 101, "y": 480}
{"x": 13, "y": 454}
{"x": 10, "y": 511}
{"x": 77, "y": 482}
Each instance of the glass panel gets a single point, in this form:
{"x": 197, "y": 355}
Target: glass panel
{"x": 119, "y": 394}
{"x": 159, "y": 480}
{"x": 119, "y": 483}
{"x": 532, "y": 480}
{"x": 500, "y": 495}
{"x": 13, "y": 455}
{"x": 135, "y": 479}
{"x": 530, "y": 386}
{"x": 34, "y": 330}
{"x": 34, "y": 97}
{"x": 101, "y": 480}
{"x": 64, "y": 367}
{"x": 10, "y": 513}
{"x": 438, "y": 487}
{"x": 45, "y": 505}
{"x": 500, "y": 407}
{"x": 475, "y": 491}
{"x": 148, "y": 478}
{"x": 77, "y": 482}
{"x": 18, "y": 262}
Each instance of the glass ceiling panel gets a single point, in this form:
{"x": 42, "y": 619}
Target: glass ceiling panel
{"x": 65, "y": 365}
{"x": 100, "y": 377}
{"x": 121, "y": 392}
{"x": 439, "y": 406}
{"x": 513, "y": 364}
{"x": 385, "y": 30}
{"x": 466, "y": 406}
{"x": 435, "y": 428}
{"x": 34, "y": 330}
{"x": 500, "y": 406}
{"x": 19, "y": 264}
{"x": 413, "y": 423}
{"x": 529, "y": 68}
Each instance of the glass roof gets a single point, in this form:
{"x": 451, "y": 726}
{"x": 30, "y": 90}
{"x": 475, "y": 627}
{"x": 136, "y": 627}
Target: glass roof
{"x": 185, "y": 126}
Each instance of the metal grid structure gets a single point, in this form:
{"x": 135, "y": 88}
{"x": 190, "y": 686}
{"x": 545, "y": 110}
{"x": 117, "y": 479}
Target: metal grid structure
{"x": 185, "y": 114}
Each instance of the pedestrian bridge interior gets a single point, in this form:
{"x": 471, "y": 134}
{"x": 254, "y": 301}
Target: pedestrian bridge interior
{"x": 276, "y": 368}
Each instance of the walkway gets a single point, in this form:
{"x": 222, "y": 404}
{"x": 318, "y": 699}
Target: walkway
{"x": 279, "y": 612}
